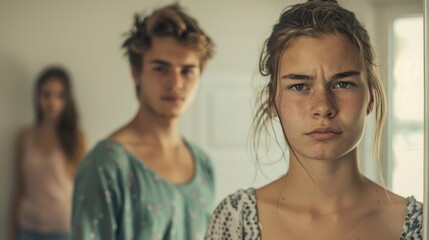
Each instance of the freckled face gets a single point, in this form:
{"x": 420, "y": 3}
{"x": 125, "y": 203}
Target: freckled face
{"x": 322, "y": 97}
{"x": 51, "y": 99}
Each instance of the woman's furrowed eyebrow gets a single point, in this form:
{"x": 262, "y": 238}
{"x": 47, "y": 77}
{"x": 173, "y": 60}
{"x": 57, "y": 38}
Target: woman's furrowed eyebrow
{"x": 294, "y": 76}
{"x": 345, "y": 74}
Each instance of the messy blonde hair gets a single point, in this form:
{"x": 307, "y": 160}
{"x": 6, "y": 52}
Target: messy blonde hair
{"x": 168, "y": 21}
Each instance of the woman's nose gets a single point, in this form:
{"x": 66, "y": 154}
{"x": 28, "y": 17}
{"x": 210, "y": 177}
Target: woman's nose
{"x": 323, "y": 104}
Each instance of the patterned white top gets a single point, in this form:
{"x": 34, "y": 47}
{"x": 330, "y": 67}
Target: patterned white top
{"x": 236, "y": 218}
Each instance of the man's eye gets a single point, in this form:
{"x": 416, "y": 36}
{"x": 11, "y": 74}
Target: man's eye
{"x": 160, "y": 69}
{"x": 187, "y": 71}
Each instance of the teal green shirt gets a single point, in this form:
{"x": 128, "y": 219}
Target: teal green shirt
{"x": 117, "y": 197}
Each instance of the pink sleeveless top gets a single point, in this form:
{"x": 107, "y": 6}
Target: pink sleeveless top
{"x": 45, "y": 205}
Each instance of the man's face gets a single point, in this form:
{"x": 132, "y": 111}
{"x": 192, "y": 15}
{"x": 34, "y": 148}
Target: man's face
{"x": 169, "y": 77}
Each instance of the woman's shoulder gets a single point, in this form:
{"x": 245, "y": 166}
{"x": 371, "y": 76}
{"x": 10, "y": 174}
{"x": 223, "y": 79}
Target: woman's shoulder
{"x": 414, "y": 207}
{"x": 24, "y": 131}
{"x": 237, "y": 203}
{"x": 23, "y": 135}
{"x": 242, "y": 197}
{"x": 413, "y": 224}
{"x": 235, "y": 217}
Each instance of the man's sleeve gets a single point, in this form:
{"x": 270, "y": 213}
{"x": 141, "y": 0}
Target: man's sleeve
{"x": 97, "y": 197}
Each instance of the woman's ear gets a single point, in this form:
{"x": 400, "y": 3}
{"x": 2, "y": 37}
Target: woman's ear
{"x": 370, "y": 106}
{"x": 273, "y": 110}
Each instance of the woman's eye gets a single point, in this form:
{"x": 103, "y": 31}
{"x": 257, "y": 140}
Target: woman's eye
{"x": 298, "y": 87}
{"x": 46, "y": 95}
{"x": 343, "y": 85}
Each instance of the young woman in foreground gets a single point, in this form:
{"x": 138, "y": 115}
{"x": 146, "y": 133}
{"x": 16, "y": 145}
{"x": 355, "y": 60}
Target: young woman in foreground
{"x": 322, "y": 85}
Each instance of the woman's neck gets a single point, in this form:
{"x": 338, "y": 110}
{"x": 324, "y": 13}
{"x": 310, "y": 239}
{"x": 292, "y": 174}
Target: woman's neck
{"x": 324, "y": 184}
{"x": 47, "y": 126}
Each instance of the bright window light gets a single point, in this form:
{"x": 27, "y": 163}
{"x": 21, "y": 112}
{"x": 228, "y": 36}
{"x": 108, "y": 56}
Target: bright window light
{"x": 406, "y": 98}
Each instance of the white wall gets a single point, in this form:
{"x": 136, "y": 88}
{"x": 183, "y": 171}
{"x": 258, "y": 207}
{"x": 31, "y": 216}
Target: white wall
{"x": 85, "y": 36}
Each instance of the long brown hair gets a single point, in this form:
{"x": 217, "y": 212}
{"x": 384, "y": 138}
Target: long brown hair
{"x": 67, "y": 127}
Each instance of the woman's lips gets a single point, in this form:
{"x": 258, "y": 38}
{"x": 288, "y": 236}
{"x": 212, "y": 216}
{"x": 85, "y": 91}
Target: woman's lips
{"x": 324, "y": 133}
{"x": 172, "y": 98}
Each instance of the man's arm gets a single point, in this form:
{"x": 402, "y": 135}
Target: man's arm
{"x": 96, "y": 197}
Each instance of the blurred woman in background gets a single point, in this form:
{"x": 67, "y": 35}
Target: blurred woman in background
{"x": 48, "y": 153}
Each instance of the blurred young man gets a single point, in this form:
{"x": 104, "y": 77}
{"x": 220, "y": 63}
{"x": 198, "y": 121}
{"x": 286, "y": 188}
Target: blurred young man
{"x": 145, "y": 181}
